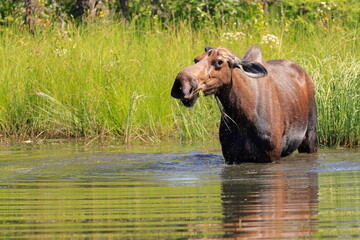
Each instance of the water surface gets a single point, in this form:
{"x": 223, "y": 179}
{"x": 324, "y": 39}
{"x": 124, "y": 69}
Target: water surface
{"x": 66, "y": 191}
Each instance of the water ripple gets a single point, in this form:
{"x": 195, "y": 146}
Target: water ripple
{"x": 79, "y": 194}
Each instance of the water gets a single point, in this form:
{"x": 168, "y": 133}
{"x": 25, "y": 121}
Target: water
{"x": 66, "y": 191}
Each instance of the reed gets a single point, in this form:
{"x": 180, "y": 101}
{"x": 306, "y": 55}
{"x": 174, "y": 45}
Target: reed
{"x": 108, "y": 80}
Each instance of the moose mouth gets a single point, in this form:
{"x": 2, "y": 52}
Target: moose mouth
{"x": 189, "y": 102}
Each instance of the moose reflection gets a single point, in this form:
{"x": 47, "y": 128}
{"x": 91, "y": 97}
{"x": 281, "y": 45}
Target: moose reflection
{"x": 281, "y": 203}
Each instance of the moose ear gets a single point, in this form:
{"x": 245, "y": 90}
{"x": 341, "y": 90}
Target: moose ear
{"x": 251, "y": 69}
{"x": 207, "y": 48}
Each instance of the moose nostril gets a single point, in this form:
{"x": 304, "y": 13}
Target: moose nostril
{"x": 176, "y": 91}
{"x": 191, "y": 89}
{"x": 189, "y": 93}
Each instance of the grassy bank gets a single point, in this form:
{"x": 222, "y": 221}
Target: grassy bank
{"x": 107, "y": 80}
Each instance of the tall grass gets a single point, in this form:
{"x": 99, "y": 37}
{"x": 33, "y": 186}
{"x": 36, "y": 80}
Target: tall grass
{"x": 108, "y": 80}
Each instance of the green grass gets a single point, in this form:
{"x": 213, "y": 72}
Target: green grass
{"x": 106, "y": 80}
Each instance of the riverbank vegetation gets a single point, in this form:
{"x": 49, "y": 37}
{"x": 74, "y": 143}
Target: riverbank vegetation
{"x": 108, "y": 73}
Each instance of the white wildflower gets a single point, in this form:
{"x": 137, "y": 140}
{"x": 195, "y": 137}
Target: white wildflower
{"x": 60, "y": 51}
{"x": 271, "y": 40}
{"x": 233, "y": 36}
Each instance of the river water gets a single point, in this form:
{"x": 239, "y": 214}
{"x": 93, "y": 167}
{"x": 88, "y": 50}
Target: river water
{"x": 174, "y": 191}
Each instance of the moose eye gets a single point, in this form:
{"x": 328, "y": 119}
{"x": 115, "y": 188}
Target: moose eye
{"x": 217, "y": 63}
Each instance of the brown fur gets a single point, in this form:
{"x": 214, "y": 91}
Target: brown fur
{"x": 269, "y": 107}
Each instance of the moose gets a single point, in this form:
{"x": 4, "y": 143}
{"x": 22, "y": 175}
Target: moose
{"x": 268, "y": 108}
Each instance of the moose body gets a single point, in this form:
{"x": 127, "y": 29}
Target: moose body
{"x": 268, "y": 107}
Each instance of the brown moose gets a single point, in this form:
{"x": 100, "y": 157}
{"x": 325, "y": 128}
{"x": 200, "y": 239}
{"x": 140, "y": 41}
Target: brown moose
{"x": 268, "y": 107}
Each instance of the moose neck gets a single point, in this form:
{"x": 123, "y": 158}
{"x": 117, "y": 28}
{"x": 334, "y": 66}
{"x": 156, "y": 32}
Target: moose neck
{"x": 238, "y": 99}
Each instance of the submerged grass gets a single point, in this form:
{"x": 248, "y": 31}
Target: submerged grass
{"x": 108, "y": 80}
